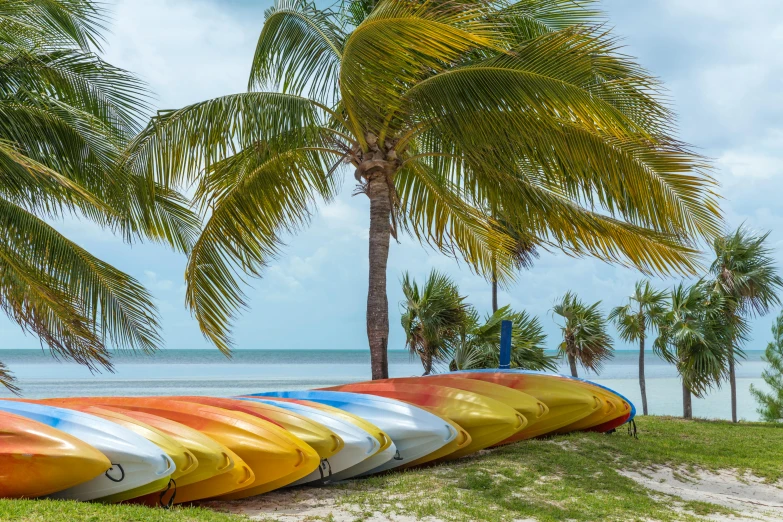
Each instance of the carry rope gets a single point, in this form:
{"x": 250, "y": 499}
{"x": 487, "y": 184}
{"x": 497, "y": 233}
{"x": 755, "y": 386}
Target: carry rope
{"x": 122, "y": 471}
{"x": 167, "y": 505}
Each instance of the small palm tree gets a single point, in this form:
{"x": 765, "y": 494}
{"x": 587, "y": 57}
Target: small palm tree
{"x": 747, "y": 277}
{"x": 636, "y": 319}
{"x": 585, "y": 339}
{"x": 443, "y": 112}
{"x": 431, "y": 317}
{"x": 478, "y": 344}
{"x": 771, "y": 403}
{"x": 65, "y": 118}
{"x": 693, "y": 335}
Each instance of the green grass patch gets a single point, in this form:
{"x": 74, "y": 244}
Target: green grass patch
{"x": 71, "y": 511}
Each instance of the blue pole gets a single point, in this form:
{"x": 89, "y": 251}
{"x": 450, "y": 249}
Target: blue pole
{"x": 505, "y": 345}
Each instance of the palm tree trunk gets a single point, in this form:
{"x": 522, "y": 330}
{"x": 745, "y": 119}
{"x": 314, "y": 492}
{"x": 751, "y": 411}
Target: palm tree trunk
{"x": 377, "y": 301}
{"x": 642, "y": 382}
{"x": 687, "y": 402}
{"x": 572, "y": 364}
{"x": 733, "y": 382}
{"x": 494, "y": 292}
{"x": 426, "y": 361}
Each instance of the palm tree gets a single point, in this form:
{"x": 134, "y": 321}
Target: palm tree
{"x": 65, "y": 117}
{"x": 635, "y": 319}
{"x": 478, "y": 344}
{"x": 693, "y": 335}
{"x": 523, "y": 254}
{"x": 585, "y": 339}
{"x": 771, "y": 403}
{"x": 746, "y": 275}
{"x": 444, "y": 112}
{"x": 431, "y": 317}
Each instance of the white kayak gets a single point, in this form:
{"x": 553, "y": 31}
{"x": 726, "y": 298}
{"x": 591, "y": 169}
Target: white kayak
{"x": 135, "y": 460}
{"x": 416, "y": 432}
{"x": 359, "y": 444}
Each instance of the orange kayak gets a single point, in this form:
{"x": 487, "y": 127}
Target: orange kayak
{"x": 37, "y": 460}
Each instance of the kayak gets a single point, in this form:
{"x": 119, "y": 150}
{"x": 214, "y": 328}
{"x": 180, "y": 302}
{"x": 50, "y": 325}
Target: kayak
{"x": 37, "y": 460}
{"x": 135, "y": 461}
{"x": 528, "y": 406}
{"x": 321, "y": 439}
{"x": 567, "y": 402}
{"x": 615, "y": 412}
{"x": 358, "y": 443}
{"x": 268, "y": 450}
{"x": 184, "y": 460}
{"x": 415, "y": 432}
{"x": 486, "y": 420}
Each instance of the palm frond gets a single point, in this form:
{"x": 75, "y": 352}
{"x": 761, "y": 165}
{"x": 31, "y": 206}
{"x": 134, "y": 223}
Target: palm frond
{"x": 118, "y": 309}
{"x": 299, "y": 51}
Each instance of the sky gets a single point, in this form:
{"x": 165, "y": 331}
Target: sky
{"x": 721, "y": 64}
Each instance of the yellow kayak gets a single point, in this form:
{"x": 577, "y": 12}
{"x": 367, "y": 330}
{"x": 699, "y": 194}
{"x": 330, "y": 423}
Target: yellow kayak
{"x": 486, "y": 420}
{"x": 528, "y": 406}
{"x": 614, "y": 407}
{"x": 323, "y": 440}
{"x": 270, "y": 452}
{"x": 567, "y": 401}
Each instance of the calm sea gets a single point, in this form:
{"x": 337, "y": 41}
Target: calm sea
{"x": 207, "y": 372}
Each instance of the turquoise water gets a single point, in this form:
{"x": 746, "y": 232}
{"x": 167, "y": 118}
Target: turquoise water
{"x": 208, "y": 372}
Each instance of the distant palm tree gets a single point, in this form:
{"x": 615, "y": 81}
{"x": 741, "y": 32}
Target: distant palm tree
{"x": 771, "y": 403}
{"x": 65, "y": 118}
{"x": 693, "y": 335}
{"x": 585, "y": 339}
{"x": 431, "y": 317}
{"x": 636, "y": 319}
{"x": 478, "y": 344}
{"x": 747, "y": 277}
{"x": 442, "y": 112}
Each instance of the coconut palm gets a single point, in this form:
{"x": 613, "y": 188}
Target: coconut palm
{"x": 585, "y": 340}
{"x": 747, "y": 277}
{"x": 431, "y": 317}
{"x": 444, "y": 112}
{"x": 523, "y": 253}
{"x": 637, "y": 319}
{"x": 65, "y": 117}
{"x": 478, "y": 343}
{"x": 693, "y": 335}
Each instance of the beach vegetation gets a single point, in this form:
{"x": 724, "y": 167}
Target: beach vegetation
{"x": 585, "y": 337}
{"x": 431, "y": 317}
{"x": 638, "y": 319}
{"x": 746, "y": 276}
{"x": 66, "y": 116}
{"x": 771, "y": 403}
{"x": 446, "y": 115}
{"x": 447, "y": 333}
{"x": 694, "y": 336}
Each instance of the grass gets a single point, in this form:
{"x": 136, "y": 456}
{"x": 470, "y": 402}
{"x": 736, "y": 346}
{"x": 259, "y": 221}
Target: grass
{"x": 565, "y": 478}
{"x": 71, "y": 511}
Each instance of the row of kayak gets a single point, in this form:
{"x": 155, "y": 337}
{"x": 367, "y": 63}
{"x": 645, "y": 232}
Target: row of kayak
{"x": 166, "y": 450}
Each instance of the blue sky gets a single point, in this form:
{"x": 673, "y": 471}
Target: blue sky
{"x": 724, "y": 71}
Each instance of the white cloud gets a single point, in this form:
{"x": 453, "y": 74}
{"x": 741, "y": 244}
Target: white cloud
{"x": 153, "y": 282}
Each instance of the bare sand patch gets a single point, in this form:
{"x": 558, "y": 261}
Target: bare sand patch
{"x": 747, "y": 494}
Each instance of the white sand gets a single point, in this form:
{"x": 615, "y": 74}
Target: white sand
{"x": 746, "y": 494}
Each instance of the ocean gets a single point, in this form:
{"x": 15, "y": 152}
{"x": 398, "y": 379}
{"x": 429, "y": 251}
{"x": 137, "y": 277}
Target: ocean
{"x": 208, "y": 372}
